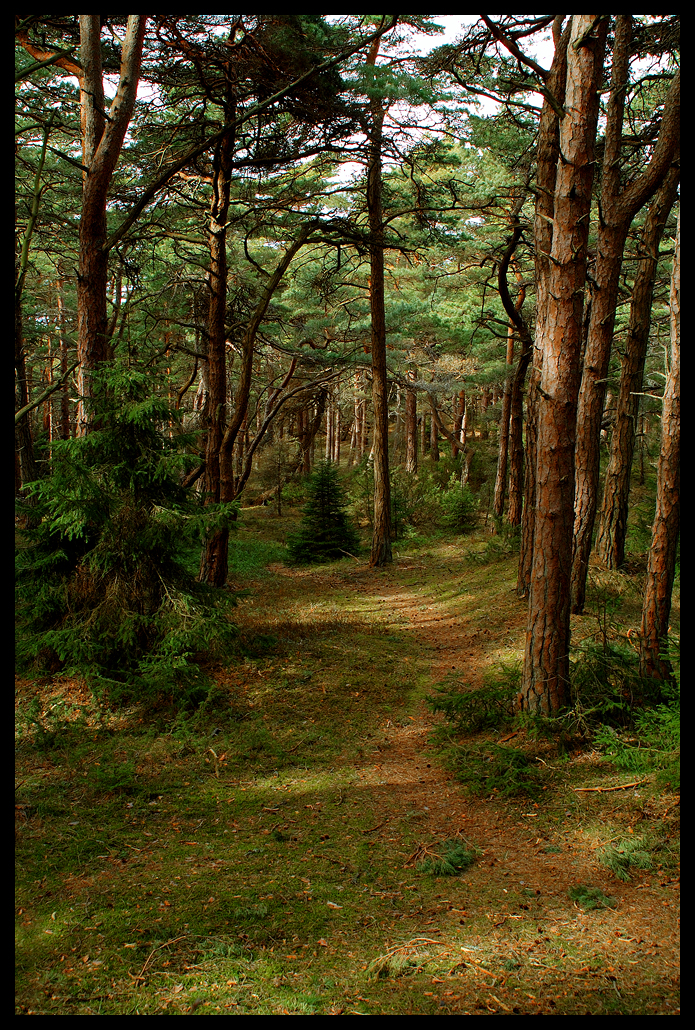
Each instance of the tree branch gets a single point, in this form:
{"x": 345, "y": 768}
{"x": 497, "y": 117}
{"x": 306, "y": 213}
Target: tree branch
{"x": 154, "y": 188}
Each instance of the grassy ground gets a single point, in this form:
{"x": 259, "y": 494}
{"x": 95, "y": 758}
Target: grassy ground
{"x": 277, "y": 852}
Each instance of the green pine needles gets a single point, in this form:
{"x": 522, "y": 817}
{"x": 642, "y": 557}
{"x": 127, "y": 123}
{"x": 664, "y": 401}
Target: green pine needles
{"x": 103, "y": 586}
{"x": 326, "y": 532}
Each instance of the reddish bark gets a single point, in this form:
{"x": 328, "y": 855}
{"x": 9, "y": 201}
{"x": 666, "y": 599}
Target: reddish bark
{"x": 610, "y": 539}
{"x": 619, "y": 204}
{"x": 547, "y": 158}
{"x": 381, "y": 537}
{"x": 661, "y": 568}
{"x": 102, "y": 142}
{"x": 546, "y": 664}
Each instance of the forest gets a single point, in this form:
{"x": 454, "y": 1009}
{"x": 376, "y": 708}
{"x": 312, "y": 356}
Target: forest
{"x": 347, "y": 504}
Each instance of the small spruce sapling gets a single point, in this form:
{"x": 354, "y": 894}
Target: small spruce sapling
{"x": 325, "y": 532}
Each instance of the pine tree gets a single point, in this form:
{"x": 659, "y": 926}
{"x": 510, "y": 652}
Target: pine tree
{"x": 325, "y": 532}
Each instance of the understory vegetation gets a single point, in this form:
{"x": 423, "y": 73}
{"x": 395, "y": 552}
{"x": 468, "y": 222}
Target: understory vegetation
{"x": 250, "y": 853}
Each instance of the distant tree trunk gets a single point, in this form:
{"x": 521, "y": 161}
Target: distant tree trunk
{"x": 610, "y": 539}
{"x": 661, "y": 567}
{"x": 516, "y": 442}
{"x": 546, "y": 661}
{"x": 411, "y": 426}
{"x": 337, "y": 429}
{"x": 381, "y": 539}
{"x": 516, "y": 321}
{"x": 434, "y": 440}
{"x": 424, "y": 435}
{"x": 330, "y": 425}
{"x": 214, "y": 555}
{"x": 24, "y": 444}
{"x": 64, "y": 418}
{"x": 221, "y": 485}
{"x": 619, "y": 204}
{"x": 547, "y": 157}
{"x": 460, "y": 411}
{"x": 501, "y": 475}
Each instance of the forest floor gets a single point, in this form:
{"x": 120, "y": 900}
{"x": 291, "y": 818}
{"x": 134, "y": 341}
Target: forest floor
{"x": 266, "y": 855}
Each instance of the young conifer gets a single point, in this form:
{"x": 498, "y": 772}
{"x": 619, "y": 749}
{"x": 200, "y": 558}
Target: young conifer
{"x": 326, "y": 532}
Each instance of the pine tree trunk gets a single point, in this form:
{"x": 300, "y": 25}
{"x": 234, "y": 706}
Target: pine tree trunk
{"x": 618, "y": 207}
{"x": 546, "y": 663}
{"x": 516, "y": 442}
{"x": 661, "y": 568}
{"x": 505, "y": 417}
{"x": 411, "y": 426}
{"x": 102, "y": 142}
{"x": 434, "y": 441}
{"x": 610, "y": 540}
{"x": 546, "y": 169}
{"x": 214, "y": 555}
{"x": 381, "y": 539}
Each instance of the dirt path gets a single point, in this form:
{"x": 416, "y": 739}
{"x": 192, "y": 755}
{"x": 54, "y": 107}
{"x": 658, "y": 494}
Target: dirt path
{"x": 635, "y": 944}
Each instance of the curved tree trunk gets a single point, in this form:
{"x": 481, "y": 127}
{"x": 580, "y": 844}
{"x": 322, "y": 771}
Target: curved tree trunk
{"x": 610, "y": 539}
{"x": 662, "y": 555}
{"x": 619, "y": 205}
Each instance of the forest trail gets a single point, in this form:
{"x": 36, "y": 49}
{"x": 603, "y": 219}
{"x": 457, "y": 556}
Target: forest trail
{"x": 462, "y": 624}
{"x": 264, "y": 855}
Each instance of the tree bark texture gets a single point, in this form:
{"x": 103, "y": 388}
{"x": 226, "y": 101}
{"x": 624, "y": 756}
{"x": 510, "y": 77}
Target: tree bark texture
{"x": 214, "y": 555}
{"x": 546, "y": 663}
{"x": 411, "y": 426}
{"x": 381, "y": 538}
{"x": 102, "y": 141}
{"x": 546, "y": 171}
{"x": 612, "y": 531}
{"x": 661, "y": 568}
{"x": 618, "y": 207}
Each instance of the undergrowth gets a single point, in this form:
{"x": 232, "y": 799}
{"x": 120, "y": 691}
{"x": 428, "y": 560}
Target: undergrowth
{"x": 104, "y": 588}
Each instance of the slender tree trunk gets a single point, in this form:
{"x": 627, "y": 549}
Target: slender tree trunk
{"x": 460, "y": 411}
{"x": 501, "y": 475}
{"x": 510, "y": 434}
{"x": 618, "y": 207}
{"x": 610, "y": 540}
{"x": 221, "y": 484}
{"x": 381, "y": 538}
{"x": 214, "y": 555}
{"x": 328, "y": 449}
{"x": 546, "y": 662}
{"x": 411, "y": 426}
{"x": 516, "y": 442}
{"x": 24, "y": 445}
{"x": 662, "y": 555}
{"x": 434, "y": 440}
{"x": 64, "y": 418}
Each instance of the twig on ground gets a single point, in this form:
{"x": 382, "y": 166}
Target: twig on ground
{"x": 621, "y": 786}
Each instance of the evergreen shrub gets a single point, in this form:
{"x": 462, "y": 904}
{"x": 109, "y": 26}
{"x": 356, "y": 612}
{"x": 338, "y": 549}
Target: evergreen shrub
{"x": 326, "y": 532}
{"x": 103, "y": 591}
{"x": 459, "y": 508}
